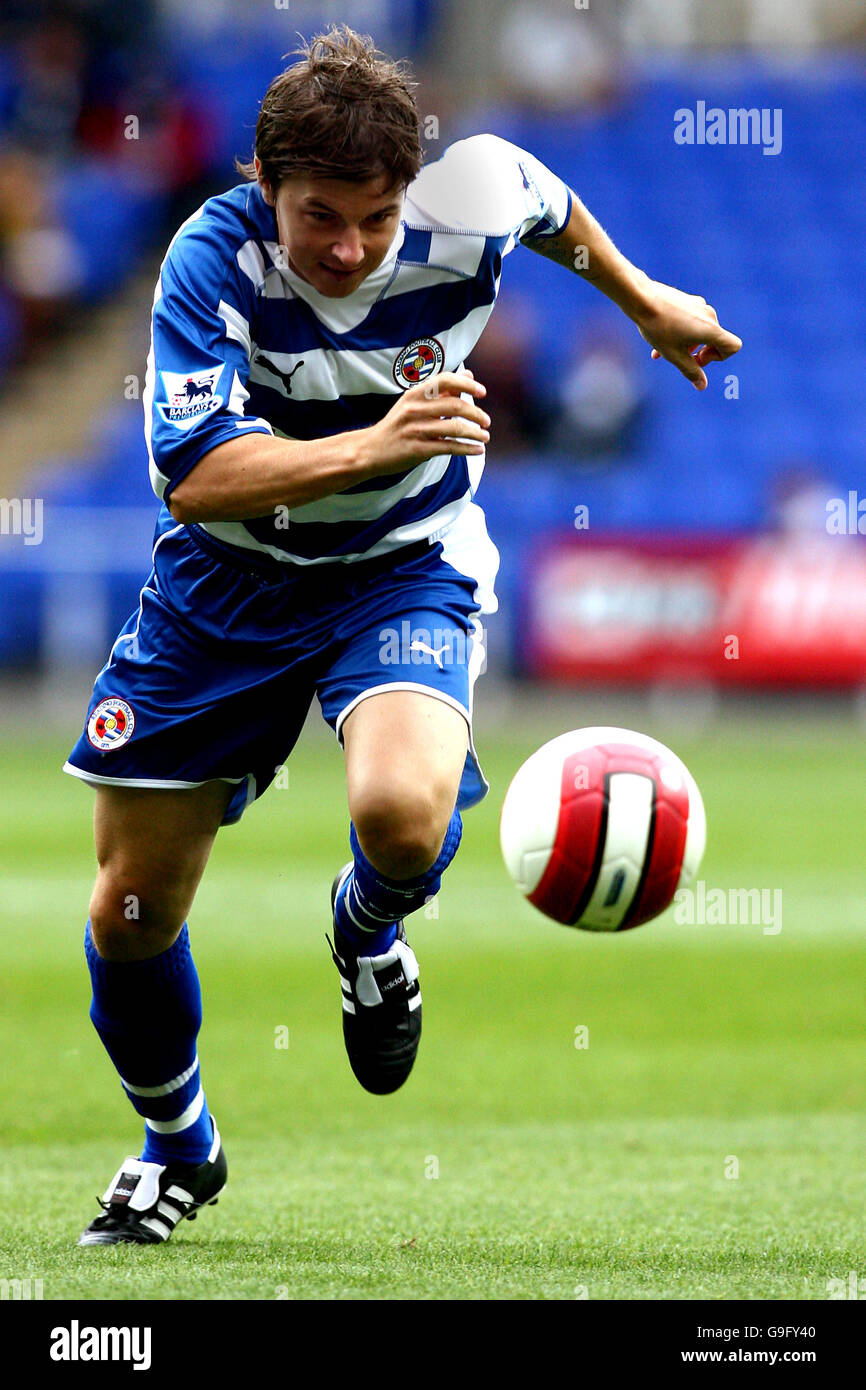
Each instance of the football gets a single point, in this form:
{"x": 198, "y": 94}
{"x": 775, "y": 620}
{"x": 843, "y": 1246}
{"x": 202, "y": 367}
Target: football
{"x": 600, "y": 827}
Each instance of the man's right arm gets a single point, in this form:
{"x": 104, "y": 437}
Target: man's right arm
{"x": 252, "y": 475}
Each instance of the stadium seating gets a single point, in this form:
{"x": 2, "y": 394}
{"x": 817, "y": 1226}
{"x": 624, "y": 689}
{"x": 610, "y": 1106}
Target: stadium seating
{"x": 775, "y": 242}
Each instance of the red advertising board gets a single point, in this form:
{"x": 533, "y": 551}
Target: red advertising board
{"x": 767, "y": 610}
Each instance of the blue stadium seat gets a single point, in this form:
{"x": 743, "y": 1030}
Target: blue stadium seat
{"x": 776, "y": 243}
{"x": 111, "y": 217}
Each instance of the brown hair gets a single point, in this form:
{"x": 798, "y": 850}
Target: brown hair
{"x": 344, "y": 112}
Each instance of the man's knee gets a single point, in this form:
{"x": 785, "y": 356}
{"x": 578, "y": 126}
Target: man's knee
{"x": 401, "y": 825}
{"x": 133, "y": 918}
{"x": 152, "y": 847}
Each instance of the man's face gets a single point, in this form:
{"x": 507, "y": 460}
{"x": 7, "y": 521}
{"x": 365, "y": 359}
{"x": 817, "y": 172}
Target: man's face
{"x": 335, "y": 233}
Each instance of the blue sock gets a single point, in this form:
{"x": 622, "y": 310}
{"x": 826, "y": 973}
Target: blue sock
{"x": 148, "y": 1014}
{"x": 368, "y": 904}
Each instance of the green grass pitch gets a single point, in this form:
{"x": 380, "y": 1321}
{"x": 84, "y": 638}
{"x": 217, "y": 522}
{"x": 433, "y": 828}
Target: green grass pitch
{"x": 705, "y": 1142}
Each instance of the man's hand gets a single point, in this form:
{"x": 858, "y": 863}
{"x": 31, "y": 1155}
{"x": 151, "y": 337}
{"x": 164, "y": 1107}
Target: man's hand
{"x": 427, "y": 420}
{"x": 679, "y": 327}
{"x": 684, "y": 329}
{"x": 252, "y": 475}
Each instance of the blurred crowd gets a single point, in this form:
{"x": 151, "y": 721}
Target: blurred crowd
{"x": 82, "y": 86}
{"x": 85, "y": 87}
{"x": 116, "y": 122}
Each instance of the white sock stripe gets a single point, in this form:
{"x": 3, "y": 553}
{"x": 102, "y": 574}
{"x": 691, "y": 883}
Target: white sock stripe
{"x": 167, "y": 1088}
{"x": 370, "y": 912}
{"x": 183, "y": 1121}
{"x": 343, "y": 888}
{"x": 351, "y": 913}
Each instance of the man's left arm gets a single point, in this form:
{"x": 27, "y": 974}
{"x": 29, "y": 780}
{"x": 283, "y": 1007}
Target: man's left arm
{"x": 675, "y": 324}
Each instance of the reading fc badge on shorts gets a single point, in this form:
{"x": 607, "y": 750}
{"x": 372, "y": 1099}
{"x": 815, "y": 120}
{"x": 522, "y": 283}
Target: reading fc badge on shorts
{"x": 422, "y": 358}
{"x": 110, "y": 725}
{"x": 189, "y": 396}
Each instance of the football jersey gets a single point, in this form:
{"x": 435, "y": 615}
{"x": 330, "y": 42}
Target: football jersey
{"x": 242, "y": 344}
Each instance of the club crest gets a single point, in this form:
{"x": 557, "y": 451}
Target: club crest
{"x": 421, "y": 359}
{"x": 110, "y": 725}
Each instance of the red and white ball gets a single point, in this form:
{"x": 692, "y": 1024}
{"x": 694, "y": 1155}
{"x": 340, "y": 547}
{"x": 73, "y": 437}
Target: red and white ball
{"x": 601, "y": 826}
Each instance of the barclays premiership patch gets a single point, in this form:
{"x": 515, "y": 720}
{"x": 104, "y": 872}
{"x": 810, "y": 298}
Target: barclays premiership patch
{"x": 189, "y": 397}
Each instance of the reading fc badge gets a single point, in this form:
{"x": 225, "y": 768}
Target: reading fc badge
{"x": 110, "y": 725}
{"x": 422, "y": 358}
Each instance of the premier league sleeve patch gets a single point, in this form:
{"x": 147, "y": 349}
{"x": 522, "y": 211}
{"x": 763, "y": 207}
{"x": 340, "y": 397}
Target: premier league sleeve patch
{"x": 110, "y": 725}
{"x": 189, "y": 396}
{"x": 422, "y": 358}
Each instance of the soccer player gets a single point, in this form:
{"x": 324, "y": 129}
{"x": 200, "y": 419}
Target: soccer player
{"x": 316, "y": 442}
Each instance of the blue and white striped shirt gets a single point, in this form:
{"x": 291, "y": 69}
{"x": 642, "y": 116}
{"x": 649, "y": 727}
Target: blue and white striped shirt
{"x": 241, "y": 343}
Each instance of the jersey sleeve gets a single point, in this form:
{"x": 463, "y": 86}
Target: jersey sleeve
{"x": 199, "y": 363}
{"x": 490, "y": 186}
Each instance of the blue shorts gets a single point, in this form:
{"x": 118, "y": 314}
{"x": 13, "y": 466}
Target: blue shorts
{"x": 214, "y": 674}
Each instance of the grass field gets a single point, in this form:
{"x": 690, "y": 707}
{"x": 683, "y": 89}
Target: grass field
{"x": 706, "y": 1143}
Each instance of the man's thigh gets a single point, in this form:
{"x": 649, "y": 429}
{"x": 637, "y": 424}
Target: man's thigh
{"x": 407, "y": 740}
{"x": 414, "y": 633}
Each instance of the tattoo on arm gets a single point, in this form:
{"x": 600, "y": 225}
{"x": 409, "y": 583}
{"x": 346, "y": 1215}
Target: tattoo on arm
{"x": 555, "y": 248}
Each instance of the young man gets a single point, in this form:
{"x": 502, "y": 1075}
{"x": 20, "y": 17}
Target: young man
{"x": 316, "y": 442}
